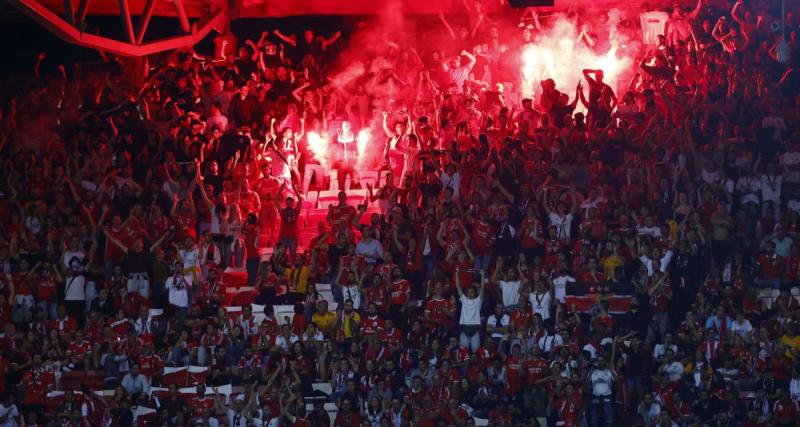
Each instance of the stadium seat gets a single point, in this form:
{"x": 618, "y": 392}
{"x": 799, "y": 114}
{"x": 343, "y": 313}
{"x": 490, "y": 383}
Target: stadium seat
{"x": 368, "y": 177}
{"x": 356, "y": 197}
{"x": 71, "y": 380}
{"x": 281, "y": 312}
{"x": 316, "y": 216}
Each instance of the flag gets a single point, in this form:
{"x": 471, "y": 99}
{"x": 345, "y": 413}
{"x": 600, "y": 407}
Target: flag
{"x": 586, "y": 296}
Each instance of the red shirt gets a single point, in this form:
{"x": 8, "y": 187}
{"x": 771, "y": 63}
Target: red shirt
{"x": 46, "y": 289}
{"x": 437, "y": 310}
{"x": 186, "y": 225}
{"x": 400, "y": 293}
{"x": 212, "y": 292}
{"x": 483, "y": 235}
{"x": 150, "y": 365}
{"x": 67, "y": 324}
{"x": 568, "y": 409}
{"x": 80, "y": 348}
{"x": 521, "y": 318}
{"x": 371, "y": 325}
{"x": 770, "y": 266}
{"x": 341, "y": 217}
{"x": 113, "y": 252}
{"x": 391, "y": 337}
{"x": 785, "y": 410}
{"x": 793, "y": 267}
{"x": 290, "y": 218}
{"x": 515, "y": 373}
{"x": 535, "y": 369}
{"x": 530, "y": 226}
{"x": 376, "y": 295}
{"x": 251, "y": 233}
{"x": 348, "y": 419}
{"x": 201, "y": 402}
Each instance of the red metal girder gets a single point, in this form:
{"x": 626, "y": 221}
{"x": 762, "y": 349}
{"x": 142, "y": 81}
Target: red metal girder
{"x": 182, "y": 18}
{"x": 127, "y": 24}
{"x": 144, "y": 20}
{"x": 58, "y": 26}
{"x": 69, "y": 12}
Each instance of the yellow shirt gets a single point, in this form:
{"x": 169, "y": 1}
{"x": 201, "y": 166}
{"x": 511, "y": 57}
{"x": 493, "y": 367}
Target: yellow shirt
{"x": 298, "y": 279}
{"x": 349, "y": 329}
{"x": 792, "y": 343}
{"x": 325, "y": 322}
{"x": 610, "y": 264}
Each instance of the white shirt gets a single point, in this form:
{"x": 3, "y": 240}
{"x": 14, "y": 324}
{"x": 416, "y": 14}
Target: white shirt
{"x": 674, "y": 370}
{"x": 771, "y": 187}
{"x": 660, "y": 349}
{"x": 649, "y": 231}
{"x": 651, "y": 413}
{"x": 749, "y": 189}
{"x": 602, "y": 382}
{"x": 664, "y": 261}
{"x": 743, "y": 329}
{"x": 281, "y": 341}
{"x": 510, "y": 292}
{"x": 653, "y": 24}
{"x": 75, "y": 288}
{"x": 794, "y": 389}
{"x": 470, "y": 311}
{"x": 560, "y": 286}
{"x": 351, "y": 292}
{"x": 68, "y": 255}
{"x": 178, "y": 291}
{"x": 787, "y": 160}
{"x": 453, "y": 181}
{"x": 135, "y": 385}
{"x": 495, "y": 322}
{"x": 562, "y": 224}
{"x": 191, "y": 258}
{"x": 236, "y": 419}
{"x": 370, "y": 247}
{"x": 216, "y": 122}
{"x": 540, "y": 303}
{"x": 547, "y": 342}
{"x": 12, "y": 412}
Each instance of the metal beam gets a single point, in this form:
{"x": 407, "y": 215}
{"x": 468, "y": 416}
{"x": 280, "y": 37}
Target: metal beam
{"x": 69, "y": 12}
{"x": 58, "y": 26}
{"x": 144, "y": 20}
{"x": 182, "y": 18}
{"x": 127, "y": 24}
{"x": 83, "y": 9}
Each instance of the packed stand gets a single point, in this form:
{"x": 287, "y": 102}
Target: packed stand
{"x": 604, "y": 256}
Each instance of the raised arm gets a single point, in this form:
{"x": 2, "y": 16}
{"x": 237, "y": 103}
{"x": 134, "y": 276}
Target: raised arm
{"x": 285, "y": 38}
{"x": 331, "y": 40}
{"x": 447, "y": 25}
{"x": 735, "y": 13}
{"x": 115, "y": 241}
{"x": 158, "y": 242}
{"x": 696, "y": 11}
{"x": 458, "y": 284}
{"x": 386, "y": 129}
{"x": 587, "y": 74}
{"x": 470, "y": 57}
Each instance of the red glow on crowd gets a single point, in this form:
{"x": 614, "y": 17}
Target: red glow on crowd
{"x": 488, "y": 216}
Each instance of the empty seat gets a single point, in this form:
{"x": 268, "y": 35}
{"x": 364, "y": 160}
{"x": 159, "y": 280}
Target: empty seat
{"x": 315, "y": 216}
{"x": 322, "y": 387}
{"x": 72, "y": 380}
{"x": 368, "y": 177}
{"x": 281, "y": 312}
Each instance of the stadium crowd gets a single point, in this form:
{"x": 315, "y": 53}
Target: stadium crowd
{"x": 456, "y": 291}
